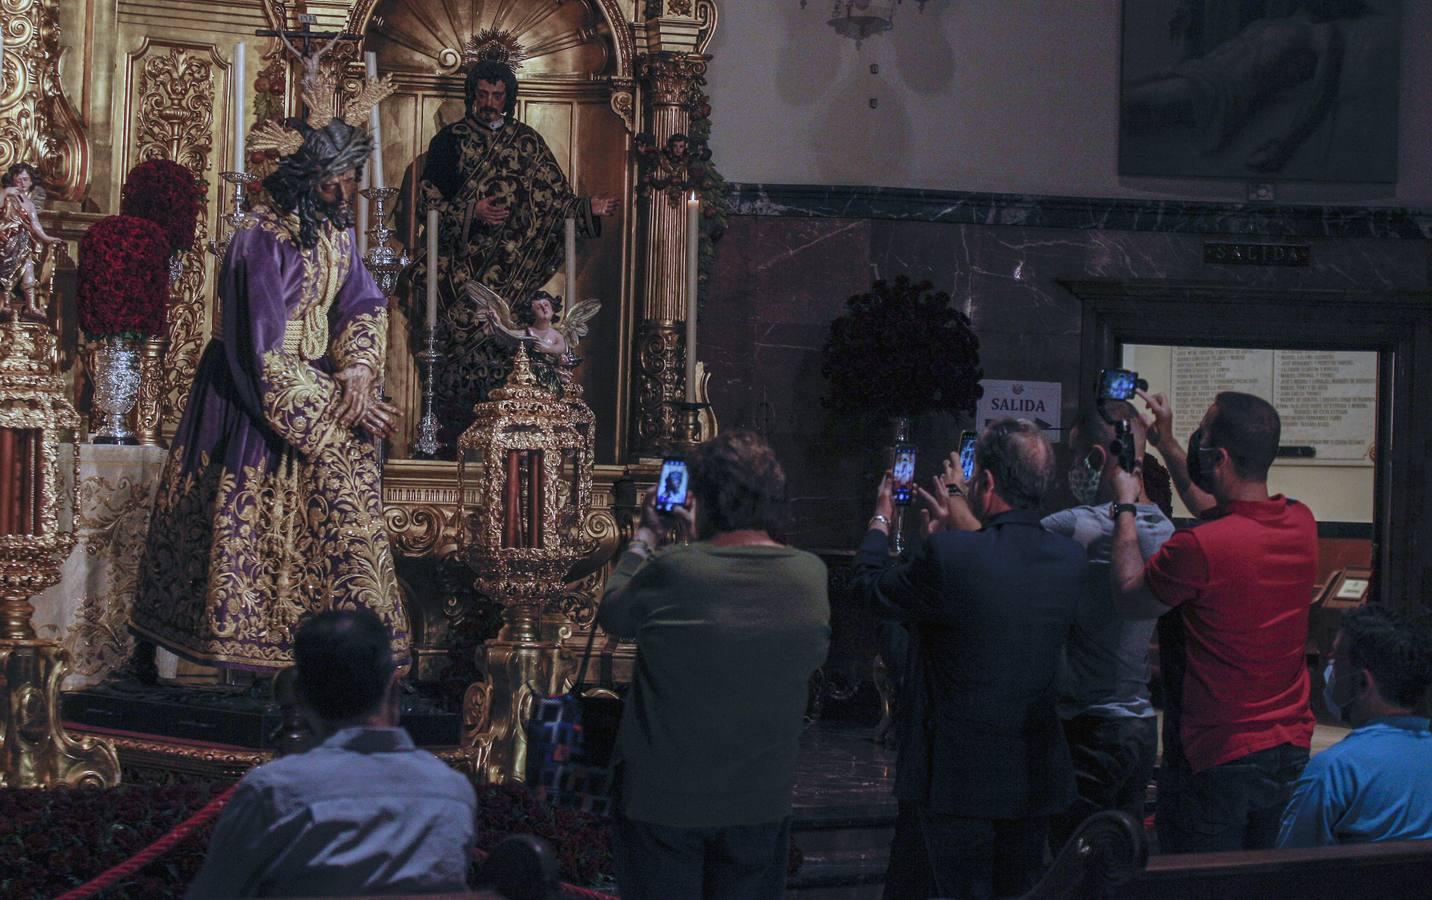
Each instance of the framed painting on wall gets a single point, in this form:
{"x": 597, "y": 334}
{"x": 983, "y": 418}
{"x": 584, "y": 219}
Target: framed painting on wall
{"x": 1301, "y": 90}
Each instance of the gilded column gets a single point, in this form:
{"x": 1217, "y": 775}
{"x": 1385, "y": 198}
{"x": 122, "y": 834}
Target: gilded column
{"x": 660, "y": 356}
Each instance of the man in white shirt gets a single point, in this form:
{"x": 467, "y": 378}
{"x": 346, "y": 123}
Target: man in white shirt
{"x": 365, "y": 812}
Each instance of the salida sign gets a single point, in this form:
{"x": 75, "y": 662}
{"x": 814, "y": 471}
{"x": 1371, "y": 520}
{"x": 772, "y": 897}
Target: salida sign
{"x": 1038, "y": 401}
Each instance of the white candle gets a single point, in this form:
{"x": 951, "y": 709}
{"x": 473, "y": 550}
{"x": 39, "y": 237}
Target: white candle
{"x": 370, "y": 60}
{"x": 241, "y": 51}
{"x": 693, "y": 264}
{"x": 570, "y": 243}
{"x": 432, "y": 268}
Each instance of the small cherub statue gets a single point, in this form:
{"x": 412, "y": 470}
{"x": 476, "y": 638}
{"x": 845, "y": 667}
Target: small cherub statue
{"x": 667, "y": 169}
{"x": 21, "y": 236}
{"x": 536, "y": 319}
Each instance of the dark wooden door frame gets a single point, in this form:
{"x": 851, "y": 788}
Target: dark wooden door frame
{"x": 1396, "y": 324}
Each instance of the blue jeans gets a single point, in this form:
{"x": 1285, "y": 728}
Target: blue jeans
{"x": 1235, "y": 805}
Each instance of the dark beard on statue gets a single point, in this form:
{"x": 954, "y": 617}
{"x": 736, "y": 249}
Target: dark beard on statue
{"x": 313, "y": 211}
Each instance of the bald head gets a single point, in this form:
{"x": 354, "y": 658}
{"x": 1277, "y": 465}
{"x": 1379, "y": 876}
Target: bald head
{"x": 1018, "y": 455}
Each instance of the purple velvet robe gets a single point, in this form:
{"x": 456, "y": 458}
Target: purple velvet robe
{"x": 269, "y": 509}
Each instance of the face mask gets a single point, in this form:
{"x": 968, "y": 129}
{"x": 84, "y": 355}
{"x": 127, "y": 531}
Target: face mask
{"x": 1201, "y": 480}
{"x": 1084, "y": 482}
{"x": 1335, "y": 709}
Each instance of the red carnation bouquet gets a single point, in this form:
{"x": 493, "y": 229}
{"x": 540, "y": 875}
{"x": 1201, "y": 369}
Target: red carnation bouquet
{"x": 168, "y": 195}
{"x": 123, "y": 278}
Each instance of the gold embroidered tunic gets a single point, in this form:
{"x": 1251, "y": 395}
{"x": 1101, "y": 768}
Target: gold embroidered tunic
{"x": 269, "y": 509}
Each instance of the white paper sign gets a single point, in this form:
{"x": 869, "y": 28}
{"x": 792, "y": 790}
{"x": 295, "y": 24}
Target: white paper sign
{"x": 1038, "y": 401}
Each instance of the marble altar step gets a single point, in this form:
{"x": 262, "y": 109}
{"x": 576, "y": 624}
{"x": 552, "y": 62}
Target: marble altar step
{"x": 843, "y": 812}
{"x": 219, "y": 716}
{"x": 845, "y": 851}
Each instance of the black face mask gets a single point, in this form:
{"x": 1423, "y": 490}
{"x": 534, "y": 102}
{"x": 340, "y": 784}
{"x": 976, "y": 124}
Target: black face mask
{"x": 1201, "y": 480}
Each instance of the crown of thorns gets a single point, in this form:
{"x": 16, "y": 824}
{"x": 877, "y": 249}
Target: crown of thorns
{"x": 320, "y": 96}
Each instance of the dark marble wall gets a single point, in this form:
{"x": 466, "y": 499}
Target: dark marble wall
{"x": 784, "y": 272}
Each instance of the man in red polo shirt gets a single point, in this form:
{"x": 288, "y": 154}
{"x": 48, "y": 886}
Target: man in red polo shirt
{"x": 1241, "y": 579}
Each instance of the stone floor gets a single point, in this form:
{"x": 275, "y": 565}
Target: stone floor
{"x": 844, "y": 812}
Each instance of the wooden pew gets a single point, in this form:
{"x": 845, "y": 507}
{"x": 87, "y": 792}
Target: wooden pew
{"x": 1108, "y": 858}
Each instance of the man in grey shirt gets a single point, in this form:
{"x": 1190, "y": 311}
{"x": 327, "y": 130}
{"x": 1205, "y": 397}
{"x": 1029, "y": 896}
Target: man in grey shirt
{"x": 365, "y": 812}
{"x": 1104, "y": 704}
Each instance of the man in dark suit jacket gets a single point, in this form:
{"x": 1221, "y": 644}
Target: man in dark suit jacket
{"x": 982, "y": 762}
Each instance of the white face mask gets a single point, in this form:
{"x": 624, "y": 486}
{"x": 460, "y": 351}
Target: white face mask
{"x": 1335, "y": 709}
{"x": 1084, "y": 482}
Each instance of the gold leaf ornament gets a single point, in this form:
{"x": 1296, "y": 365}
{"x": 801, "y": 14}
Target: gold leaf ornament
{"x": 273, "y": 136}
{"x": 370, "y": 94}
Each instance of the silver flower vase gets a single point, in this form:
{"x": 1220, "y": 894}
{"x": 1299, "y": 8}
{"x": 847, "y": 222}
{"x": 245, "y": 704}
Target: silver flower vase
{"x": 116, "y": 389}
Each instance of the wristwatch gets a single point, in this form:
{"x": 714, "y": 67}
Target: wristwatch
{"x": 1116, "y": 508}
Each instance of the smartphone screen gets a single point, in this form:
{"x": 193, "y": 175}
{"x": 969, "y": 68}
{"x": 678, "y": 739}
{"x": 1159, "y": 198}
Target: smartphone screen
{"x": 903, "y": 484}
{"x": 1117, "y": 384}
{"x": 967, "y": 454}
{"x": 671, "y": 484}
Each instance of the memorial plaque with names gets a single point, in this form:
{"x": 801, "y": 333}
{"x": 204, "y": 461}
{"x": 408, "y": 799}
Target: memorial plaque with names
{"x": 1327, "y": 399}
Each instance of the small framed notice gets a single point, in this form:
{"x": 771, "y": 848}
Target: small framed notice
{"x": 1347, "y": 588}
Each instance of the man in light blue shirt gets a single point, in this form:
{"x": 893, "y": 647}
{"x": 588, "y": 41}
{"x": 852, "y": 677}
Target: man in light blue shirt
{"x": 1104, "y": 705}
{"x": 1376, "y": 784}
{"x": 365, "y": 812}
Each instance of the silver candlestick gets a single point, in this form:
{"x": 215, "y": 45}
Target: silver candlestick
{"x": 385, "y": 263}
{"x": 236, "y": 217}
{"x": 428, "y": 424}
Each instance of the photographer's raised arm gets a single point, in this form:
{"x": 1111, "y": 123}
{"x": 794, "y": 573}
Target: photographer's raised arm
{"x": 1132, "y": 597}
{"x": 1175, "y": 459}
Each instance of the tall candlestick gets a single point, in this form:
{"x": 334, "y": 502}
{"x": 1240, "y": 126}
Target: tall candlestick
{"x": 693, "y": 264}
{"x": 362, "y": 202}
{"x": 370, "y": 60}
{"x": 432, "y": 284}
{"x": 241, "y": 53}
{"x": 570, "y": 248}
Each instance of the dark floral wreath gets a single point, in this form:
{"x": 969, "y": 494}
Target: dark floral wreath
{"x": 902, "y": 349}
{"x": 167, "y": 194}
{"x": 123, "y": 274}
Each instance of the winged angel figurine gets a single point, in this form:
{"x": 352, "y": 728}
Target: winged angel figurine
{"x": 537, "y": 320}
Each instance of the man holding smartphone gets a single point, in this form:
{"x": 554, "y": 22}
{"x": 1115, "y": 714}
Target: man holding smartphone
{"x": 706, "y": 774}
{"x": 982, "y": 762}
{"x": 1241, "y": 581}
{"x": 1104, "y": 702}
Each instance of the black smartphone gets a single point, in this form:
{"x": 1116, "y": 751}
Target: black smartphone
{"x": 967, "y": 453}
{"x": 902, "y": 487}
{"x": 671, "y": 484}
{"x": 1118, "y": 384}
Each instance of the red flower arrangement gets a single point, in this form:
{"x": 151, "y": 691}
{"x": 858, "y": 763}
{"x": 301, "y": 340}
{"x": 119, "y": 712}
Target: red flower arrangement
{"x": 166, "y": 194}
{"x": 123, "y": 278}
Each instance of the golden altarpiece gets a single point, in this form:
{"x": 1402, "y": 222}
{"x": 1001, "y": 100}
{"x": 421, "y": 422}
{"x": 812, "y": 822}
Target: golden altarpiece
{"x": 93, "y": 87}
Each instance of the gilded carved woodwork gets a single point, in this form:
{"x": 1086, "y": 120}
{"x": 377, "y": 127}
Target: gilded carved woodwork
{"x": 175, "y": 121}
{"x": 37, "y": 122}
{"x": 149, "y": 411}
{"x": 660, "y": 373}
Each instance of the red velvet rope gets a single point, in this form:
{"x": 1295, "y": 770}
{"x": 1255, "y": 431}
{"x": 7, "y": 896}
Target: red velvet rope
{"x": 155, "y": 850}
{"x": 210, "y": 811}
